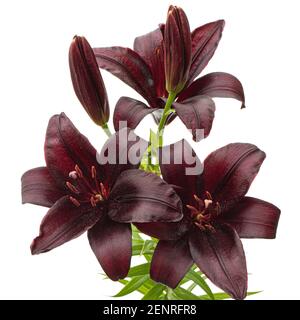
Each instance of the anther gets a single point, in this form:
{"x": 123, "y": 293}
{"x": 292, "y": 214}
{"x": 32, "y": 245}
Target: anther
{"x": 72, "y": 187}
{"x": 209, "y": 197}
{"x": 93, "y": 202}
{"x": 74, "y": 201}
{"x": 200, "y": 226}
{"x": 194, "y": 211}
{"x": 103, "y": 190}
{"x": 78, "y": 171}
{"x": 210, "y": 228}
{"x": 93, "y": 172}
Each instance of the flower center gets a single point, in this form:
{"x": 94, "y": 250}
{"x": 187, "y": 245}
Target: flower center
{"x": 86, "y": 188}
{"x": 205, "y": 212}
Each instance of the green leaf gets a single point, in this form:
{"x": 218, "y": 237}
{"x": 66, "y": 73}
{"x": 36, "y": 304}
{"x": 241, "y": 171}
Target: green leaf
{"x": 136, "y": 242}
{"x": 195, "y": 277}
{"x": 139, "y": 270}
{"x": 132, "y": 285}
{"x": 192, "y": 287}
{"x": 184, "y": 294}
{"x": 154, "y": 293}
{"x": 223, "y": 295}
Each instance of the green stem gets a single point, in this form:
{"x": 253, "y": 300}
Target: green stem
{"x": 106, "y": 130}
{"x": 166, "y": 112}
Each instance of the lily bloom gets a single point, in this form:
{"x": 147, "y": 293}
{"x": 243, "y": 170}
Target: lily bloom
{"x": 87, "y": 81}
{"x": 217, "y": 213}
{"x": 100, "y": 198}
{"x": 143, "y": 69}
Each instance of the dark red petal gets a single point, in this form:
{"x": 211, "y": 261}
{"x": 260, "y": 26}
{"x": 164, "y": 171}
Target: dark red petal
{"x": 205, "y": 40}
{"x": 129, "y": 67}
{"x": 150, "y": 48}
{"x": 157, "y": 114}
{"x": 130, "y": 110}
{"x": 122, "y": 151}
{"x": 181, "y": 167}
{"x": 220, "y": 256}
{"x": 216, "y": 85}
{"x": 253, "y": 218}
{"x": 177, "y": 49}
{"x": 111, "y": 244}
{"x": 38, "y": 187}
{"x": 62, "y": 223}
{"x": 164, "y": 230}
{"x": 65, "y": 147}
{"x": 229, "y": 171}
{"x": 197, "y": 113}
{"x": 87, "y": 80}
{"x": 140, "y": 196}
{"x": 171, "y": 261}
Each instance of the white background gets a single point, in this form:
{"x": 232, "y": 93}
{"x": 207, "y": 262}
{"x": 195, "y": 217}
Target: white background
{"x": 260, "y": 45}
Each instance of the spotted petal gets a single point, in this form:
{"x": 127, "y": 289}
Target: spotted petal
{"x": 131, "y": 112}
{"x": 150, "y": 48}
{"x": 140, "y": 196}
{"x": 129, "y": 67}
{"x": 65, "y": 147}
{"x": 171, "y": 261}
{"x": 63, "y": 222}
{"x": 38, "y": 187}
{"x": 205, "y": 40}
{"x": 197, "y": 113}
{"x": 111, "y": 244}
{"x": 253, "y": 218}
{"x": 216, "y": 85}
{"x": 230, "y": 170}
{"x": 220, "y": 256}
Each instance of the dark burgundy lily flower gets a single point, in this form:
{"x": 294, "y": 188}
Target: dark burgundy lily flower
{"x": 87, "y": 81}
{"x": 100, "y": 198}
{"x": 143, "y": 70}
{"x": 177, "y": 50}
{"x": 216, "y": 215}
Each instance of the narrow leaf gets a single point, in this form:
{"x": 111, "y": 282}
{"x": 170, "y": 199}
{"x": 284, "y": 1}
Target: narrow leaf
{"x": 194, "y": 276}
{"x": 132, "y": 285}
{"x": 139, "y": 270}
{"x": 154, "y": 292}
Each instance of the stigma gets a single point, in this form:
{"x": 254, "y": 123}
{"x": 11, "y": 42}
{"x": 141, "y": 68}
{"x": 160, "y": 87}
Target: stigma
{"x": 204, "y": 212}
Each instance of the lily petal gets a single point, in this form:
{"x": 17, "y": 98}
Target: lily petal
{"x": 140, "y": 196}
{"x": 65, "y": 147}
{"x": 38, "y": 187}
{"x": 216, "y": 85}
{"x": 62, "y": 223}
{"x": 150, "y": 48}
{"x": 196, "y": 113}
{"x": 111, "y": 244}
{"x": 220, "y": 256}
{"x": 130, "y": 110}
{"x": 164, "y": 230}
{"x": 170, "y": 262}
{"x": 230, "y": 170}
{"x": 122, "y": 151}
{"x": 180, "y": 166}
{"x": 205, "y": 40}
{"x": 129, "y": 67}
{"x": 253, "y": 218}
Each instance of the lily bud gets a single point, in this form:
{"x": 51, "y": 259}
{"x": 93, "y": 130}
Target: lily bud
{"x": 87, "y": 80}
{"x": 177, "y": 49}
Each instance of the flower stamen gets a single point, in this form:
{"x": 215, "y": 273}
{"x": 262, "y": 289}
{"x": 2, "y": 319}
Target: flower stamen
{"x": 74, "y": 201}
